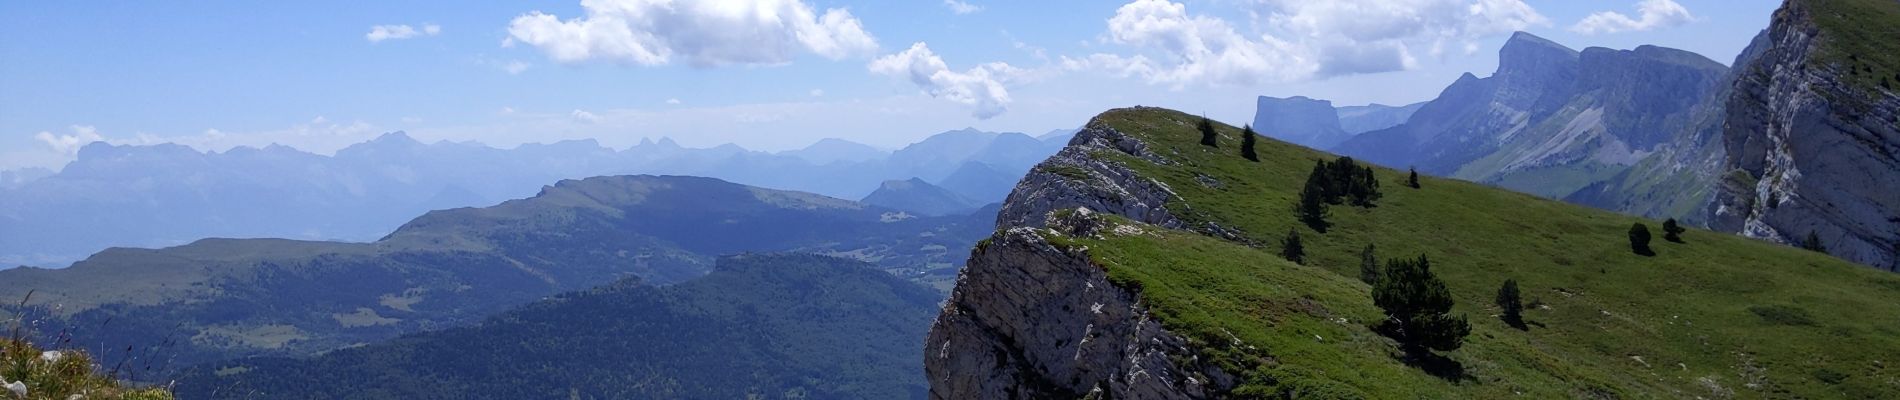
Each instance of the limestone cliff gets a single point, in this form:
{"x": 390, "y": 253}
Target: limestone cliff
{"x": 1030, "y": 319}
{"x": 1811, "y": 141}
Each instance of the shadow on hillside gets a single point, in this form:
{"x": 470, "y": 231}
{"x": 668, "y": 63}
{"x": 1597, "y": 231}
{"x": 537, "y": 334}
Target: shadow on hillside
{"x": 1437, "y": 365}
{"x": 1519, "y": 323}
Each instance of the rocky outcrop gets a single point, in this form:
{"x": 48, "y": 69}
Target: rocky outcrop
{"x": 1076, "y": 177}
{"x": 1033, "y": 320}
{"x": 1810, "y": 148}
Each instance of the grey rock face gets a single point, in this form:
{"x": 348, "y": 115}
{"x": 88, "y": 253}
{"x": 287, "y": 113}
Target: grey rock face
{"x": 1809, "y": 152}
{"x": 1074, "y": 178}
{"x": 1626, "y": 130}
{"x": 1030, "y": 320}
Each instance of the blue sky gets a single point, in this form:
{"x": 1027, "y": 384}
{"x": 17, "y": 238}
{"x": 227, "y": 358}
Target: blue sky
{"x": 217, "y": 74}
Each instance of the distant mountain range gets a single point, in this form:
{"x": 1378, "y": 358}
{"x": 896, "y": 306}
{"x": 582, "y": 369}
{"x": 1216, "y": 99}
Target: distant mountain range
{"x": 223, "y": 298}
{"x": 923, "y": 198}
{"x": 1553, "y": 121}
{"x": 1666, "y": 133}
{"x": 1318, "y": 124}
{"x": 758, "y": 326}
{"x": 167, "y": 195}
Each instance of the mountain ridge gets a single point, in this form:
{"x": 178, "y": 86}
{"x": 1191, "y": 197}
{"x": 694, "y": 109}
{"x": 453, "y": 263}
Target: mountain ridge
{"x": 1139, "y": 263}
{"x": 243, "y": 297}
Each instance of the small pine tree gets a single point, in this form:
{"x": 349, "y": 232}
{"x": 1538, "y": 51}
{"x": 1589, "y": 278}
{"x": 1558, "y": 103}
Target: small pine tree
{"x": 1312, "y": 207}
{"x": 1207, "y": 133}
{"x": 1672, "y": 231}
{"x": 1413, "y": 180}
{"x": 1246, "y": 144}
{"x": 1512, "y": 305}
{"x": 1639, "y": 240}
{"x": 1368, "y": 266}
{"x": 1417, "y": 308}
{"x": 1365, "y": 187}
{"x": 1292, "y": 249}
{"x": 1813, "y": 243}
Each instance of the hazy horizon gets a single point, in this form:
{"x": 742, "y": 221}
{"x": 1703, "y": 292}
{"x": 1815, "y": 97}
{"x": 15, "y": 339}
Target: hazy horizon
{"x": 219, "y": 75}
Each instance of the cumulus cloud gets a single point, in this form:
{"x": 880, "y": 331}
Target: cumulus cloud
{"x": 674, "y": 102}
{"x": 1297, "y": 39}
{"x": 584, "y": 116}
{"x": 69, "y": 144}
{"x": 1192, "y": 49}
{"x": 982, "y": 86}
{"x": 1651, "y": 14}
{"x": 961, "y": 7}
{"x": 388, "y": 32}
{"x": 705, "y": 33}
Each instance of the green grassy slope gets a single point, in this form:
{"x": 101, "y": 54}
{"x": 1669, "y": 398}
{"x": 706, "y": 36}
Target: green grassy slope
{"x": 1859, "y": 35}
{"x": 1719, "y": 314}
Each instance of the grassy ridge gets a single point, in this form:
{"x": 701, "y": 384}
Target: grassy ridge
{"x": 1718, "y": 314}
{"x": 1859, "y": 35}
{"x": 62, "y": 375}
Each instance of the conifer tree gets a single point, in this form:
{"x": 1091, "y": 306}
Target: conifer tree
{"x": 1417, "y": 308}
{"x": 1292, "y": 249}
{"x": 1365, "y": 187}
{"x": 1207, "y": 133}
{"x": 1247, "y": 143}
{"x": 1672, "y": 231}
{"x": 1512, "y": 305}
{"x": 1413, "y": 180}
{"x": 1312, "y": 207}
{"x": 1639, "y": 240}
{"x": 1368, "y": 266}
{"x": 1813, "y": 243}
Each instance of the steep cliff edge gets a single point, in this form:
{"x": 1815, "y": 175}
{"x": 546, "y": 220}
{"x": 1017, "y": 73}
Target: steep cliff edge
{"x": 1030, "y": 319}
{"x": 1171, "y": 285}
{"x": 1033, "y": 320}
{"x": 1811, "y": 132}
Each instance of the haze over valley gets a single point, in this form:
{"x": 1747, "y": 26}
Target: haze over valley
{"x": 818, "y": 199}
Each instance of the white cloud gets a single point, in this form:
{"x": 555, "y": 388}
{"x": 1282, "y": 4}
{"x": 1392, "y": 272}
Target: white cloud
{"x": 69, "y": 145}
{"x": 981, "y": 86}
{"x": 515, "y": 67}
{"x": 961, "y": 7}
{"x": 705, "y": 33}
{"x": 817, "y": 93}
{"x": 673, "y": 102}
{"x": 1298, "y": 39}
{"x": 388, "y": 32}
{"x": 506, "y": 110}
{"x": 584, "y": 116}
{"x": 1651, "y": 14}
{"x": 1192, "y": 49}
